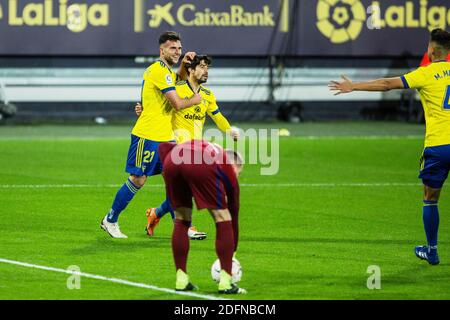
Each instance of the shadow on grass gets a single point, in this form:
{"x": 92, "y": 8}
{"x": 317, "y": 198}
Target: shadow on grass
{"x": 105, "y": 244}
{"x": 134, "y": 243}
{"x": 332, "y": 241}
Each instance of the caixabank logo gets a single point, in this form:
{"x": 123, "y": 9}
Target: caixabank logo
{"x": 148, "y": 14}
{"x": 340, "y": 20}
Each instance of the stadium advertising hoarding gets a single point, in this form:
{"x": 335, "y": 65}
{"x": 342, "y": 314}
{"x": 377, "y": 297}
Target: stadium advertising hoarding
{"x": 227, "y": 27}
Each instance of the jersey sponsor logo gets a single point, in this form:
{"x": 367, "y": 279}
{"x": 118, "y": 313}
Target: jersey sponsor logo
{"x": 198, "y": 109}
{"x": 192, "y": 15}
{"x": 194, "y": 117}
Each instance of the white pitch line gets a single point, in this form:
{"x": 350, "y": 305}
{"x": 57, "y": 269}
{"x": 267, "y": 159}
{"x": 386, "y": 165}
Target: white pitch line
{"x": 255, "y": 185}
{"x": 115, "y": 280}
{"x": 299, "y": 137}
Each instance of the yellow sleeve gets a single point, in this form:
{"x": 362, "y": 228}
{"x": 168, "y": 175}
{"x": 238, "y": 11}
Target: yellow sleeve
{"x": 415, "y": 79}
{"x": 215, "y": 114}
{"x": 220, "y": 121}
{"x": 161, "y": 77}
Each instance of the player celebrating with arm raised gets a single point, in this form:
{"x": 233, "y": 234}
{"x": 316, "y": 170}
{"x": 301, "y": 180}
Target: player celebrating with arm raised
{"x": 433, "y": 85}
{"x": 188, "y": 123}
{"x": 154, "y": 126}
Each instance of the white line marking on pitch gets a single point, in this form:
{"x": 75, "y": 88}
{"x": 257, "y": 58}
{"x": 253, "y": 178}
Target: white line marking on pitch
{"x": 115, "y": 280}
{"x": 300, "y": 137}
{"x": 257, "y": 185}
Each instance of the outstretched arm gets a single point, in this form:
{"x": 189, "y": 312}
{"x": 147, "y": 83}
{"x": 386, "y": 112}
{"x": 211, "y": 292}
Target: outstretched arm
{"x": 223, "y": 124}
{"x": 347, "y": 85}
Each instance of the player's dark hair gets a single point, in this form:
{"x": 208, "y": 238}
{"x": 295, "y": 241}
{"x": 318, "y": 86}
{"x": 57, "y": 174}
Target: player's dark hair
{"x": 196, "y": 61}
{"x": 169, "y": 35}
{"x": 441, "y": 38}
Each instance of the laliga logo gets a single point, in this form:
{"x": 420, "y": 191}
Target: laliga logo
{"x": 340, "y": 20}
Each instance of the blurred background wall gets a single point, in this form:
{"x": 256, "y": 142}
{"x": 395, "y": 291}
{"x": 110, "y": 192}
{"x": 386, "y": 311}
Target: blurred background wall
{"x": 82, "y": 61}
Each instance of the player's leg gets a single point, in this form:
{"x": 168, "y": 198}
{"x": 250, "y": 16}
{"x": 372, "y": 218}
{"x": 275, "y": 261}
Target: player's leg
{"x": 179, "y": 193}
{"x": 154, "y": 216}
{"x": 126, "y": 193}
{"x": 431, "y": 215}
{"x": 209, "y": 193}
{"x": 124, "y": 196}
{"x": 431, "y": 225}
{"x": 180, "y": 247}
{"x": 433, "y": 173}
{"x": 225, "y": 250}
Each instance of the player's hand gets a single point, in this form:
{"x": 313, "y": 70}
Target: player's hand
{"x": 138, "y": 109}
{"x": 189, "y": 56}
{"x": 345, "y": 86}
{"x": 234, "y": 133}
{"x": 196, "y": 99}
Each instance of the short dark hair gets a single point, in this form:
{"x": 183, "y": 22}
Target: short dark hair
{"x": 196, "y": 61}
{"x": 441, "y": 38}
{"x": 169, "y": 35}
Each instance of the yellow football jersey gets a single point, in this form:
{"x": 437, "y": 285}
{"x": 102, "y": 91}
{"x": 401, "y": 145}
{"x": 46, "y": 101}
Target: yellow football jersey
{"x": 433, "y": 84}
{"x": 188, "y": 123}
{"x": 155, "y": 122}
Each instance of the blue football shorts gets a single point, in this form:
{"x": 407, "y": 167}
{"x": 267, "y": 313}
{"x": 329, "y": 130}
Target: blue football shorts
{"x": 143, "y": 158}
{"x": 434, "y": 166}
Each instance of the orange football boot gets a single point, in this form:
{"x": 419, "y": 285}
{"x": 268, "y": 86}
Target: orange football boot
{"x": 152, "y": 221}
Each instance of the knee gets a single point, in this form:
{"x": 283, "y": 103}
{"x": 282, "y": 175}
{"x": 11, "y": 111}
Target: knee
{"x": 138, "y": 181}
{"x": 221, "y": 215}
{"x": 183, "y": 214}
{"x": 429, "y": 197}
{"x": 431, "y": 194}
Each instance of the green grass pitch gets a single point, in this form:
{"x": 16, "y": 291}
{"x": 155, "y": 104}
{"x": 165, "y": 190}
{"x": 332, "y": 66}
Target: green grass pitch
{"x": 346, "y": 197}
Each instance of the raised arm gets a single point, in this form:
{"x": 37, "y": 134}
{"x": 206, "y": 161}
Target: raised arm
{"x": 179, "y": 103}
{"x": 182, "y": 73}
{"x": 347, "y": 85}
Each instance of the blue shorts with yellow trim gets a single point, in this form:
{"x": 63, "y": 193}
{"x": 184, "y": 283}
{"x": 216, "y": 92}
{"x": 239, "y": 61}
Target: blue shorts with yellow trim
{"x": 143, "y": 158}
{"x": 435, "y": 165}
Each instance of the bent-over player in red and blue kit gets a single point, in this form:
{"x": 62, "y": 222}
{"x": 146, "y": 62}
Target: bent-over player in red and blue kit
{"x": 206, "y": 172}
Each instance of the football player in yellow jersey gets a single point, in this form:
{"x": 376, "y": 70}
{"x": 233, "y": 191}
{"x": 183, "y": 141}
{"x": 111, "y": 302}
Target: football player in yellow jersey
{"x": 159, "y": 98}
{"x": 433, "y": 85}
{"x": 188, "y": 123}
